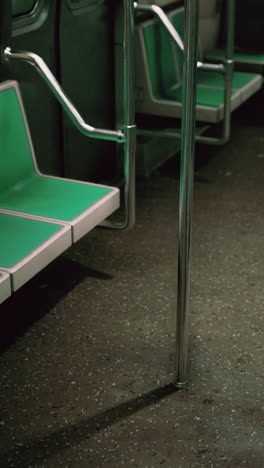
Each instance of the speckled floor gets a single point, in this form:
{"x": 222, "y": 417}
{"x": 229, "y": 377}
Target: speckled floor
{"x": 88, "y": 345}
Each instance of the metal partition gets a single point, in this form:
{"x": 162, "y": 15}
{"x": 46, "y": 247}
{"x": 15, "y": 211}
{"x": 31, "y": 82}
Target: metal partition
{"x": 127, "y": 134}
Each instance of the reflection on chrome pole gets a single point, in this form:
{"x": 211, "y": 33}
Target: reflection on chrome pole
{"x": 186, "y": 187}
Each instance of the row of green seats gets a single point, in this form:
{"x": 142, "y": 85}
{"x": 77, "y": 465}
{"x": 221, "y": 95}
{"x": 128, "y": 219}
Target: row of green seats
{"x": 40, "y": 216}
{"x": 159, "y": 73}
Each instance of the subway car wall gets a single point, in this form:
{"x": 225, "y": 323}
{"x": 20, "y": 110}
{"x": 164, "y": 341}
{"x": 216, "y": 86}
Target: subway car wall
{"x": 76, "y": 40}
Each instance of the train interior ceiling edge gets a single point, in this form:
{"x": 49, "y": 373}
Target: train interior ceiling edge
{"x": 61, "y": 184}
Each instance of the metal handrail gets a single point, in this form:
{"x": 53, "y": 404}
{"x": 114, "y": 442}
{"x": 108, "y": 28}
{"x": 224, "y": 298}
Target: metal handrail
{"x": 211, "y": 66}
{"x": 129, "y": 121}
{"x": 38, "y": 63}
{"x": 157, "y": 11}
{"x": 161, "y": 15}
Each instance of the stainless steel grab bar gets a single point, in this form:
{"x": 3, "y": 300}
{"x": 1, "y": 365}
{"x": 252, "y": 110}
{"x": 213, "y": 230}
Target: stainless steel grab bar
{"x": 38, "y": 63}
{"x": 157, "y": 11}
{"x": 186, "y": 189}
{"x": 129, "y": 120}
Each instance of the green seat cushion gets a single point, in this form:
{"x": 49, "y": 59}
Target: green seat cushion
{"x": 21, "y": 236}
{"x": 205, "y": 96}
{"x": 51, "y": 197}
{"x": 217, "y": 80}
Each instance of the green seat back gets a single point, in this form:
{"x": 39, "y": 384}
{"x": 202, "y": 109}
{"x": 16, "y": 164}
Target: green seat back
{"x": 16, "y": 163}
{"x": 177, "y": 19}
{"x": 22, "y": 188}
{"x": 164, "y": 58}
{"x": 163, "y": 69}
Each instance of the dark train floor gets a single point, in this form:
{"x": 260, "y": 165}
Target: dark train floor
{"x": 88, "y": 345}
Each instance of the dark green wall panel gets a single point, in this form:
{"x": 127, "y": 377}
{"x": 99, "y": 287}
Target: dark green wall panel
{"x": 76, "y": 39}
{"x": 87, "y": 73}
{"x": 36, "y": 32}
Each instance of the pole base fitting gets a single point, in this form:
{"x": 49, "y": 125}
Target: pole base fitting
{"x": 180, "y": 385}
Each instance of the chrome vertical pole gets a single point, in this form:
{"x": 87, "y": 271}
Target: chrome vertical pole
{"x": 186, "y": 187}
{"x": 229, "y": 65}
{"x": 129, "y": 113}
{"x": 128, "y": 119}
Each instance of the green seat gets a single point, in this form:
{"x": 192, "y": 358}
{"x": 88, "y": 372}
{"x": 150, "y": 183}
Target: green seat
{"x": 27, "y": 246}
{"x": 159, "y": 76}
{"x": 24, "y": 190}
{"x": 5, "y": 286}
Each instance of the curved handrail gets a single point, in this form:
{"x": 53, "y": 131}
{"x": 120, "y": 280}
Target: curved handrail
{"x": 157, "y": 11}
{"x": 38, "y": 63}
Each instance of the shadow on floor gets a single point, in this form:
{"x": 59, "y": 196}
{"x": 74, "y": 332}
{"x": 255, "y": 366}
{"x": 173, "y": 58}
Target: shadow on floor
{"x": 44, "y": 447}
{"x": 36, "y": 298}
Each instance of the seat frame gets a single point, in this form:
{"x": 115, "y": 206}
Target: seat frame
{"x": 5, "y": 286}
